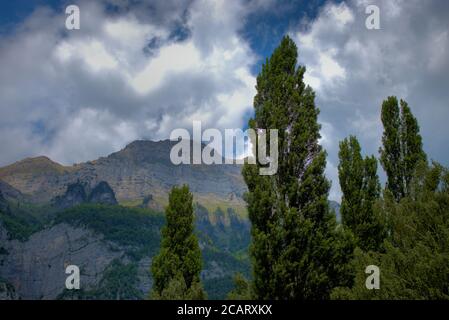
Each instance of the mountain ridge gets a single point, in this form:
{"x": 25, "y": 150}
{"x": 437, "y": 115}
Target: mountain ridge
{"x": 140, "y": 169}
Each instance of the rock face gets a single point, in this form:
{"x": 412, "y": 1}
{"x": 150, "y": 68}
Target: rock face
{"x": 76, "y": 194}
{"x": 40, "y": 178}
{"x": 146, "y": 202}
{"x": 36, "y": 268}
{"x": 9, "y": 192}
{"x": 7, "y": 291}
{"x": 4, "y": 206}
{"x": 140, "y": 167}
{"x": 102, "y": 193}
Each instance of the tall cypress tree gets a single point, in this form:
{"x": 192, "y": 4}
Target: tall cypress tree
{"x": 360, "y": 186}
{"x": 412, "y": 149}
{"x": 401, "y": 149}
{"x": 296, "y": 250}
{"x": 176, "y": 269}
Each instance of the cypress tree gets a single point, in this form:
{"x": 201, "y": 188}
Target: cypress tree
{"x": 414, "y": 264}
{"x": 360, "y": 186}
{"x": 411, "y": 146}
{"x": 176, "y": 269}
{"x": 296, "y": 250}
{"x": 401, "y": 149}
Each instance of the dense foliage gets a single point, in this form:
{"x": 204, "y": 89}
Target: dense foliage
{"x": 415, "y": 263}
{"x": 413, "y": 259}
{"x": 360, "y": 188}
{"x": 137, "y": 232}
{"x": 401, "y": 147}
{"x": 135, "y": 228}
{"x": 242, "y": 288}
{"x": 21, "y": 221}
{"x": 119, "y": 282}
{"x": 224, "y": 230}
{"x": 296, "y": 250}
{"x": 176, "y": 269}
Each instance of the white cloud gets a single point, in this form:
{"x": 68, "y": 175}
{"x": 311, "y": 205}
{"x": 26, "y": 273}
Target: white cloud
{"x": 79, "y": 95}
{"x": 329, "y": 68}
{"x": 171, "y": 59}
{"x": 92, "y": 53}
{"x": 340, "y": 13}
{"x": 83, "y": 94}
{"x": 104, "y": 131}
{"x": 353, "y": 69}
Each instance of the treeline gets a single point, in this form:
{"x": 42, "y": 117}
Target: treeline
{"x": 403, "y": 229}
{"x": 298, "y": 251}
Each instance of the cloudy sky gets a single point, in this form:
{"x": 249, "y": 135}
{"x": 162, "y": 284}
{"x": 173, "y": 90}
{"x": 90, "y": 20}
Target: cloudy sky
{"x": 139, "y": 69}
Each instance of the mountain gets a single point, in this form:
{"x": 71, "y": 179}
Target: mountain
{"x": 4, "y": 206}
{"x": 141, "y": 169}
{"x": 76, "y": 194}
{"x": 105, "y": 216}
{"x": 9, "y": 192}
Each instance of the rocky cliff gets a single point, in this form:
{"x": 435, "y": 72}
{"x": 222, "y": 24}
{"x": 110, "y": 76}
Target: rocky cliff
{"x": 140, "y": 169}
{"x": 36, "y": 268}
{"x": 113, "y": 247}
{"x": 53, "y": 215}
{"x": 4, "y": 206}
{"x": 102, "y": 193}
{"x": 78, "y": 193}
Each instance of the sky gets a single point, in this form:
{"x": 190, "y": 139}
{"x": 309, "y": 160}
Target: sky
{"x": 139, "y": 69}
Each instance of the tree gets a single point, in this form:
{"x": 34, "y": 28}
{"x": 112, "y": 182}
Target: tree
{"x": 176, "y": 269}
{"x": 401, "y": 149}
{"x": 296, "y": 250}
{"x": 241, "y": 289}
{"x": 415, "y": 264}
{"x": 360, "y": 186}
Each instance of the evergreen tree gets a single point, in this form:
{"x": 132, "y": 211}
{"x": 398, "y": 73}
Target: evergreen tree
{"x": 241, "y": 289}
{"x": 360, "y": 186}
{"x": 297, "y": 250}
{"x": 415, "y": 263}
{"x": 402, "y": 146}
{"x": 176, "y": 269}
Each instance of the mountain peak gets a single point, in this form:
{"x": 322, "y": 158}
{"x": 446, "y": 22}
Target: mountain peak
{"x": 146, "y": 151}
{"x": 38, "y": 165}
{"x": 145, "y": 143}
{"x": 143, "y": 167}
